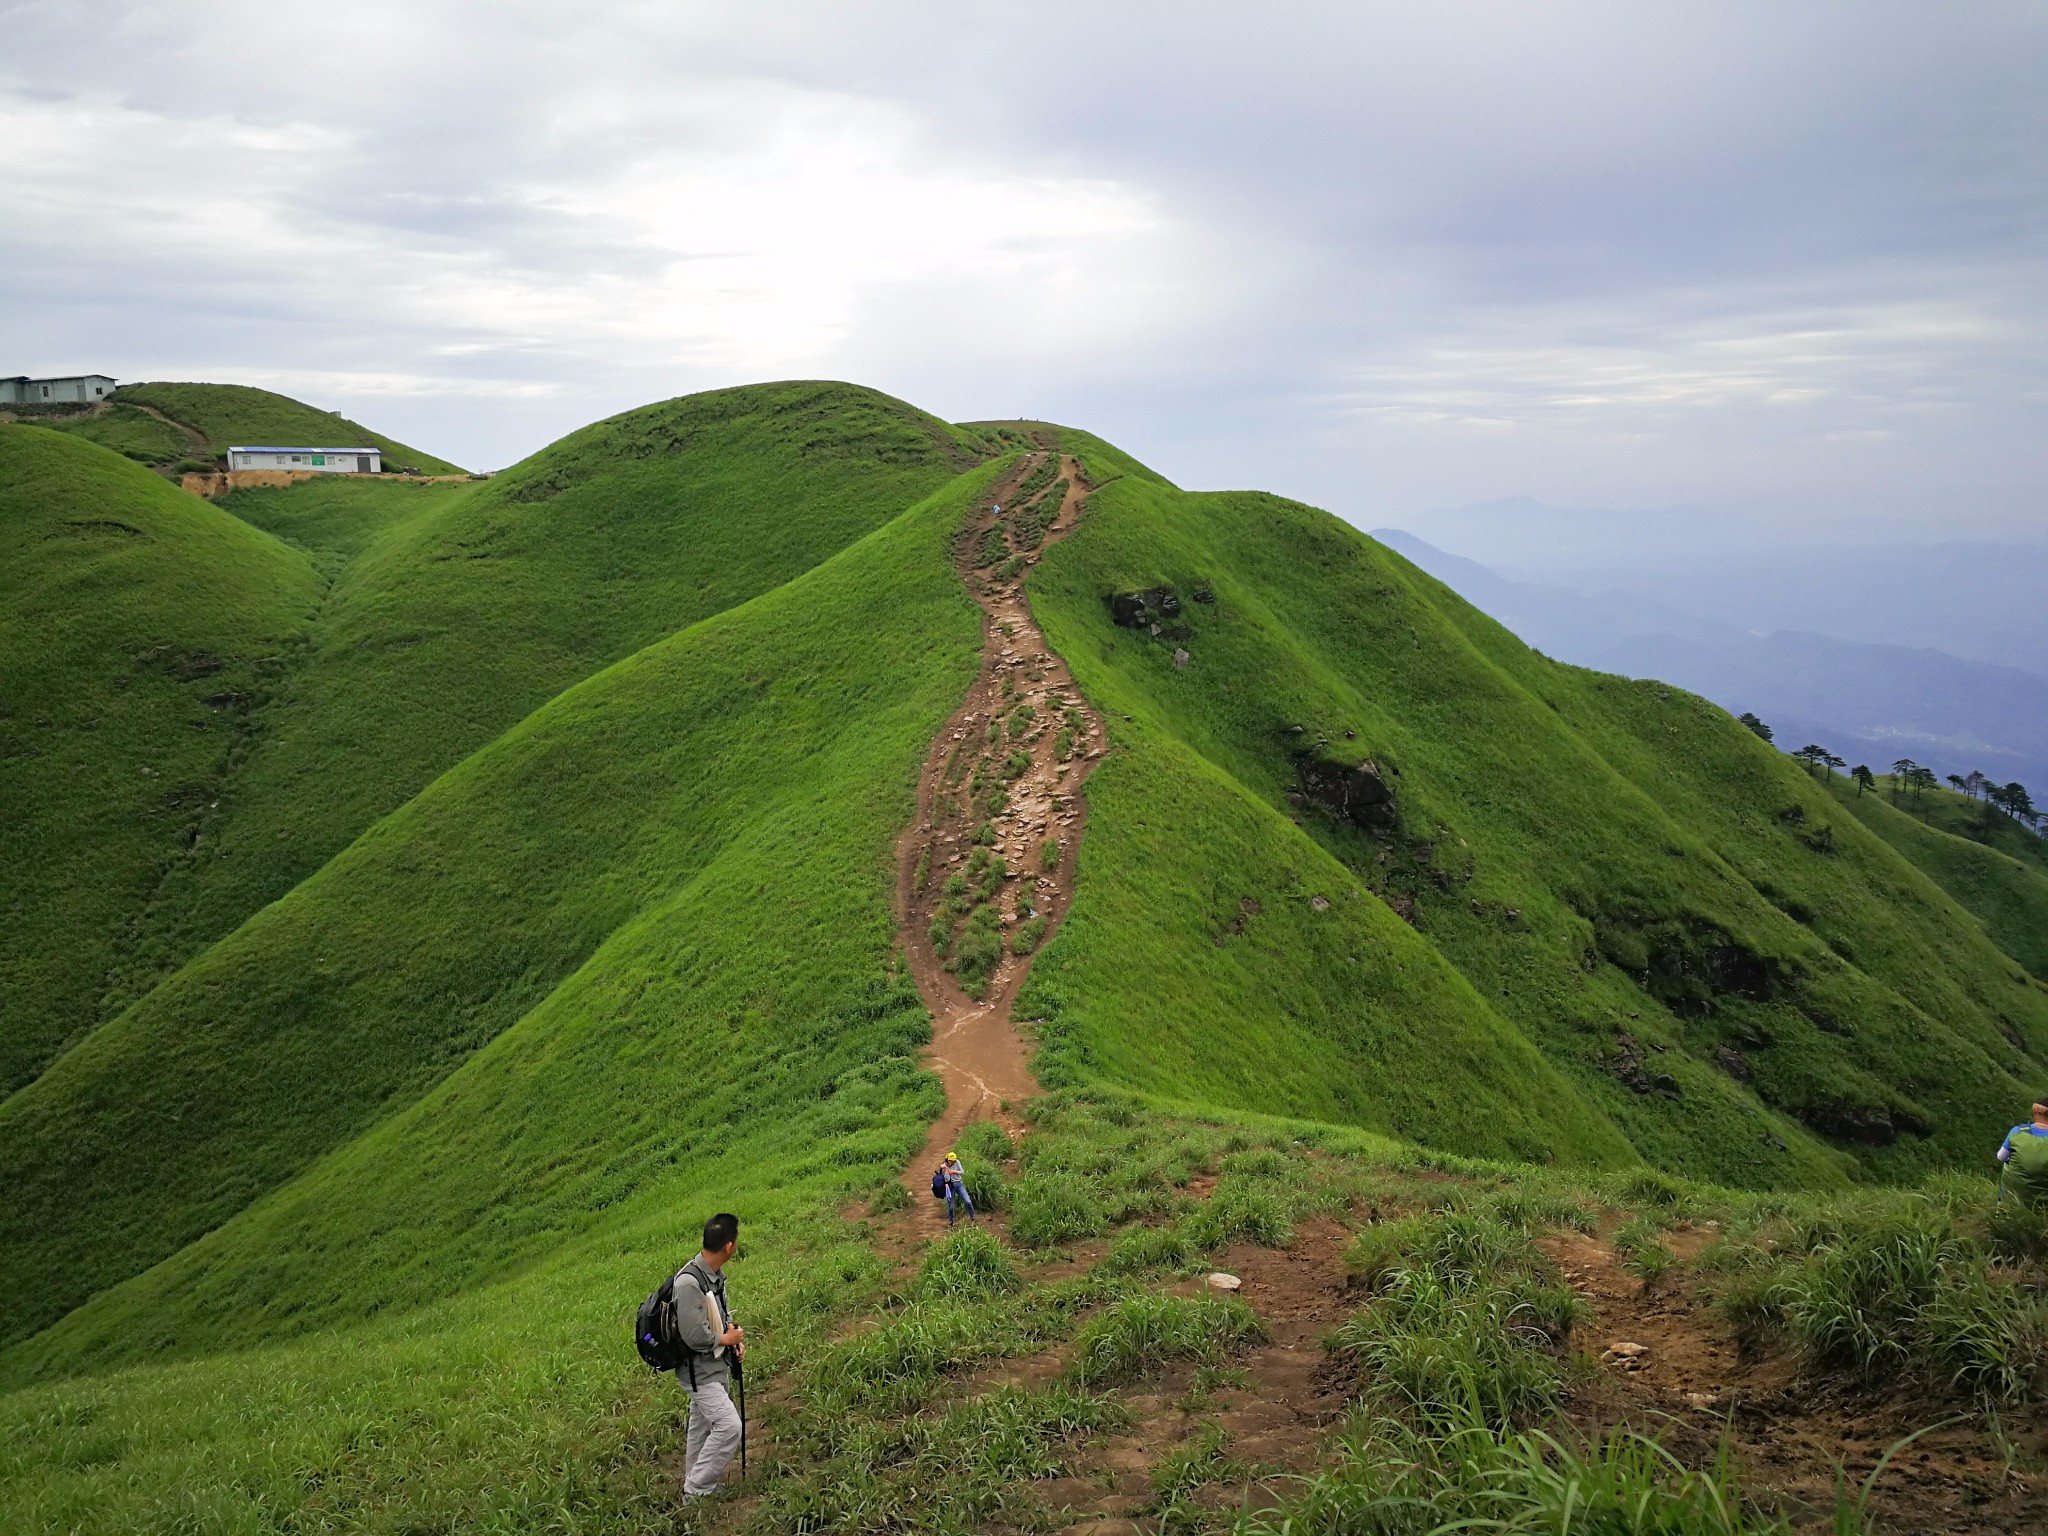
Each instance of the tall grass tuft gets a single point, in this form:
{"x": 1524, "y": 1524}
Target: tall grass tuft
{"x": 1142, "y": 1333}
{"x": 1047, "y": 1209}
{"x": 970, "y": 1265}
{"x": 1875, "y": 1289}
{"x": 1394, "y": 1479}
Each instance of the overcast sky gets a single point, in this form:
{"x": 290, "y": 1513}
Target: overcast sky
{"x": 1773, "y": 259}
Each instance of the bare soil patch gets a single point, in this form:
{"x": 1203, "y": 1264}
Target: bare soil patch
{"x": 1788, "y": 1435}
{"x": 977, "y": 1049}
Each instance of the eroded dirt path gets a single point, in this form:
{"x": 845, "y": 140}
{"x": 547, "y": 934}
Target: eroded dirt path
{"x": 1002, "y": 781}
{"x": 1695, "y": 1389}
{"x": 195, "y": 440}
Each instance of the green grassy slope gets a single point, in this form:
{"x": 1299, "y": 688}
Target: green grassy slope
{"x": 514, "y": 1406}
{"x": 675, "y": 874}
{"x": 139, "y": 629}
{"x": 229, "y": 414}
{"x": 339, "y": 1226}
{"x": 1604, "y": 862}
{"x": 450, "y": 611}
{"x": 2008, "y": 894}
{"x": 1969, "y": 818}
{"x": 129, "y": 432}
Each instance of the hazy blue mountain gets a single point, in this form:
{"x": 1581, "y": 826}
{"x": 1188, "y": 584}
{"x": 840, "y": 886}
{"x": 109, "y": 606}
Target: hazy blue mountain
{"x": 1978, "y": 601}
{"x": 1868, "y": 702}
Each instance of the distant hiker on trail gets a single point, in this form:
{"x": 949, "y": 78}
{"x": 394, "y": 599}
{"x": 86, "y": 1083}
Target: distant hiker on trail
{"x": 2025, "y": 1155}
{"x": 713, "y": 1348}
{"x": 956, "y": 1187}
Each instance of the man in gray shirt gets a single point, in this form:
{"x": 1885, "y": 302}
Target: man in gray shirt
{"x": 711, "y": 1345}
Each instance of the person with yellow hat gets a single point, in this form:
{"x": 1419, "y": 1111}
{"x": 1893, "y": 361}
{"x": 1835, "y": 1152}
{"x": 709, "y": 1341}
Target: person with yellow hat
{"x": 954, "y": 1178}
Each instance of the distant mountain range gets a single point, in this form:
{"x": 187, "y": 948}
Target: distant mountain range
{"x": 1981, "y": 601}
{"x": 1870, "y": 702}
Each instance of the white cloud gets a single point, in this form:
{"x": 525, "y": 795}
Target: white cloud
{"x": 1371, "y": 254}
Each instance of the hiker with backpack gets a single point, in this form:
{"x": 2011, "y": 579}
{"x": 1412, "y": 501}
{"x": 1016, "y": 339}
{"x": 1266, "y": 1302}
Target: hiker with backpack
{"x": 687, "y": 1327}
{"x": 950, "y": 1183}
{"x": 2024, "y": 1153}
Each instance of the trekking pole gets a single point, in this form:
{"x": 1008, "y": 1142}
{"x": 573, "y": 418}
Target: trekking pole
{"x": 739, "y": 1380}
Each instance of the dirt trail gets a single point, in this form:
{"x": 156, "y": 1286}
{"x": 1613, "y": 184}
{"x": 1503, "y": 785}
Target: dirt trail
{"x": 194, "y": 438}
{"x": 1694, "y": 1386}
{"x": 976, "y": 1047}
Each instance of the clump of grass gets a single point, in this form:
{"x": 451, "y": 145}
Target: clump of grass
{"x": 1141, "y": 1334}
{"x": 958, "y": 1471}
{"x": 1028, "y": 528}
{"x": 889, "y": 1196}
{"x": 1531, "y": 1211}
{"x": 1646, "y": 1186}
{"x": 1145, "y": 1249}
{"x": 994, "y": 546}
{"x": 1049, "y": 855}
{"x": 1640, "y": 1247}
{"x": 1240, "y": 1211}
{"x": 2016, "y": 1233}
{"x": 979, "y": 950}
{"x": 987, "y": 1187}
{"x": 1258, "y": 1163}
{"x": 1397, "y": 1478}
{"x": 892, "y": 1368}
{"x": 1872, "y": 1291}
{"x": 969, "y": 1265}
{"x": 1027, "y": 937}
{"x": 1050, "y": 1208}
{"x": 1378, "y": 1253}
{"x": 985, "y": 1142}
{"x": 1037, "y": 480}
{"x": 1192, "y": 1465}
{"x": 1469, "y": 1319}
{"x": 1440, "y": 1350}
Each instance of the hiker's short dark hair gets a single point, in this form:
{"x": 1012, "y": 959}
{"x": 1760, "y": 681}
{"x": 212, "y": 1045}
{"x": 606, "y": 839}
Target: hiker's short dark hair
{"x": 719, "y": 1230}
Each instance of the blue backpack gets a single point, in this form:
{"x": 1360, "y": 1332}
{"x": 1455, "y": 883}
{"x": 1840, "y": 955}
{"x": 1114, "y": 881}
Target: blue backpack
{"x": 939, "y": 1183}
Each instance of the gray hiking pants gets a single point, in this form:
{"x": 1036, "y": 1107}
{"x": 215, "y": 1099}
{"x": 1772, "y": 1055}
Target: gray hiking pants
{"x": 713, "y": 1441}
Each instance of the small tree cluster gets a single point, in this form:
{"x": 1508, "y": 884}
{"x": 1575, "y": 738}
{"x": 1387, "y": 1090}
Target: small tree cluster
{"x": 2013, "y": 798}
{"x": 1819, "y": 759}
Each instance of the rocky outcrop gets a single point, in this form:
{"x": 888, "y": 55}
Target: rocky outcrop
{"x": 1355, "y": 791}
{"x": 1154, "y": 611}
{"x": 1870, "y": 1125}
{"x": 1626, "y": 1067}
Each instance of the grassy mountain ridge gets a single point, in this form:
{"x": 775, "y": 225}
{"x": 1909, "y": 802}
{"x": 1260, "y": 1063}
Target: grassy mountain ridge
{"x": 498, "y": 597}
{"x": 453, "y": 611}
{"x": 430, "y": 618}
{"x": 239, "y": 415}
{"x": 1608, "y": 863}
{"x": 2006, "y": 891}
{"x": 1969, "y": 818}
{"x": 130, "y": 431}
{"x": 339, "y": 1224}
{"x": 718, "y": 916}
{"x": 139, "y": 628}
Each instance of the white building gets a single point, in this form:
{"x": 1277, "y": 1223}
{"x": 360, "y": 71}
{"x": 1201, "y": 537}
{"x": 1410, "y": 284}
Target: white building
{"x": 320, "y": 461}
{"x": 78, "y": 389}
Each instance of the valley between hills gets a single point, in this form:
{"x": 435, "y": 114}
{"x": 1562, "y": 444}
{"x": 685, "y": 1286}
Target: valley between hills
{"x": 429, "y": 896}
